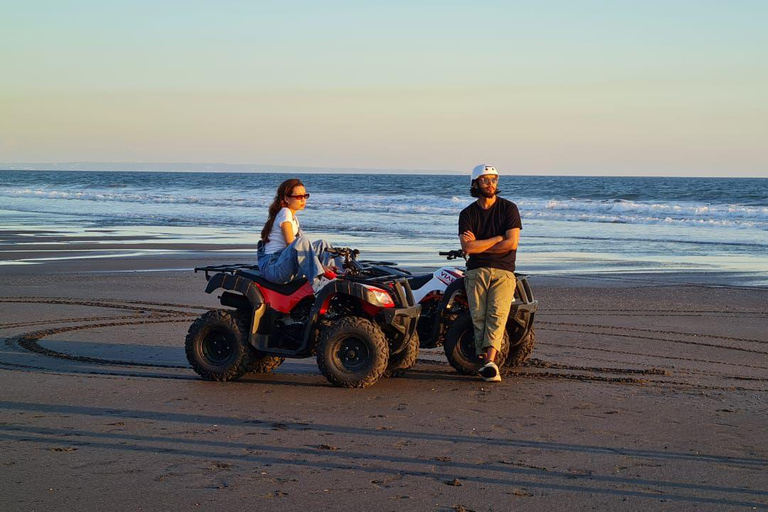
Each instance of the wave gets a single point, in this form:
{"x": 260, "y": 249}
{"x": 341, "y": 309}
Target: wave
{"x": 657, "y": 239}
{"x": 657, "y": 209}
{"x": 223, "y": 219}
{"x": 127, "y": 197}
{"x": 335, "y": 201}
{"x": 632, "y": 212}
{"x": 402, "y": 206}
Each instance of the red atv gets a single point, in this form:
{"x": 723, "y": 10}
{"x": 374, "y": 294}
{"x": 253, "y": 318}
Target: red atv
{"x": 360, "y": 327}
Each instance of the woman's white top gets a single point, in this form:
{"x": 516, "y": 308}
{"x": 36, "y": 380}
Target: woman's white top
{"x": 276, "y": 238}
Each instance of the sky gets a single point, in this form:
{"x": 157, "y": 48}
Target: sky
{"x": 672, "y": 87}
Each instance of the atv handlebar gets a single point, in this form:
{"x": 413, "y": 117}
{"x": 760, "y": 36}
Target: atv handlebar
{"x": 350, "y": 257}
{"x": 344, "y": 252}
{"x": 452, "y": 255}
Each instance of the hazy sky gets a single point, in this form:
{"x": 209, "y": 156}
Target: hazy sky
{"x": 560, "y": 87}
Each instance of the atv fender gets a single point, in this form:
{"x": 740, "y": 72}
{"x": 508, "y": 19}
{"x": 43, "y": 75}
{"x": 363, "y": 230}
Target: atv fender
{"x": 401, "y": 320}
{"x": 521, "y": 315}
{"x": 249, "y": 290}
{"x": 321, "y": 301}
{"x": 236, "y": 283}
{"x": 453, "y": 290}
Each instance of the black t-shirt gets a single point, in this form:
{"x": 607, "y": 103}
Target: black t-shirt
{"x": 495, "y": 221}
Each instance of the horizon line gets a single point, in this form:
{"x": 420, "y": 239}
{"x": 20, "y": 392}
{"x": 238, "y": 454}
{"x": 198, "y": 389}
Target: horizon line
{"x": 205, "y": 167}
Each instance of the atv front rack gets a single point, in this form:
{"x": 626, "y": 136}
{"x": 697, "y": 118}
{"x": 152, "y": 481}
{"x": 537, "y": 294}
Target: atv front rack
{"x": 231, "y": 268}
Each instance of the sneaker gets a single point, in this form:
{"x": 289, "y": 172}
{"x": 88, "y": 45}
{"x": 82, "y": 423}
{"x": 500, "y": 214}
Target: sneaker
{"x": 319, "y": 283}
{"x": 490, "y": 372}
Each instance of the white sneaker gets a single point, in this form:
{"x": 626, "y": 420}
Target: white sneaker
{"x": 490, "y": 372}
{"x": 319, "y": 283}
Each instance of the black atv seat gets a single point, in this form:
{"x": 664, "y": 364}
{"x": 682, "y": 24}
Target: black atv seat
{"x": 417, "y": 282}
{"x": 283, "y": 289}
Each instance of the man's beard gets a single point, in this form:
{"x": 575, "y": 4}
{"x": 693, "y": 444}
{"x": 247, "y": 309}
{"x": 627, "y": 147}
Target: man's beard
{"x": 488, "y": 195}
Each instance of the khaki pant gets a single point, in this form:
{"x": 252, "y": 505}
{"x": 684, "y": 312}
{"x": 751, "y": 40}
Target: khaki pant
{"x": 490, "y": 292}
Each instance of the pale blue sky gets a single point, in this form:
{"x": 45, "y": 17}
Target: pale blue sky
{"x": 560, "y": 87}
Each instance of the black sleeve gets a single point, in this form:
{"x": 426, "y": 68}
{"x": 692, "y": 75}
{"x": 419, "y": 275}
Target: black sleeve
{"x": 513, "y": 217}
{"x": 464, "y": 222}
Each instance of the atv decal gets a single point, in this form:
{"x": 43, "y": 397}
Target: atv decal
{"x": 447, "y": 276}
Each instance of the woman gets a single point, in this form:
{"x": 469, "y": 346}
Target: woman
{"x": 285, "y": 253}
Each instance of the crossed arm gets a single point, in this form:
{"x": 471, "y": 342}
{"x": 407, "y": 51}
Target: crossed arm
{"x": 497, "y": 244}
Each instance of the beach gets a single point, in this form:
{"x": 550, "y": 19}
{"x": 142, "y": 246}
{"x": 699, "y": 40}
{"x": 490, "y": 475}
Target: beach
{"x": 645, "y": 391}
{"x": 142, "y": 143}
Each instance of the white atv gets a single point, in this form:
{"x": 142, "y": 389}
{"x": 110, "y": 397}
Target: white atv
{"x": 445, "y": 319}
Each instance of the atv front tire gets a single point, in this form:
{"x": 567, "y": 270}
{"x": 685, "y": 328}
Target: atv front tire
{"x": 405, "y": 359}
{"x": 460, "y": 347}
{"x": 217, "y": 346}
{"x": 352, "y": 353}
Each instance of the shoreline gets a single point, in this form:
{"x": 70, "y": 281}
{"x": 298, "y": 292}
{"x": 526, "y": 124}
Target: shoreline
{"x": 32, "y": 251}
{"x": 572, "y": 225}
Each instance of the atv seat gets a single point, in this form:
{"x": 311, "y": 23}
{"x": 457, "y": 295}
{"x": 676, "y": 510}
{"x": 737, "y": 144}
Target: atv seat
{"x": 283, "y": 289}
{"x": 417, "y": 282}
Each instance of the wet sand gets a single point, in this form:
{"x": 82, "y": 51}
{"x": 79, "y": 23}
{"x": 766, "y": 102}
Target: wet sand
{"x": 644, "y": 392}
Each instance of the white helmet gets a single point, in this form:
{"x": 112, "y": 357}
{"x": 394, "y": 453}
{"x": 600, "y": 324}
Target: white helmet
{"x": 482, "y": 170}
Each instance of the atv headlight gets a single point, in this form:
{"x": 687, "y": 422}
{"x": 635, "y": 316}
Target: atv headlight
{"x": 379, "y": 297}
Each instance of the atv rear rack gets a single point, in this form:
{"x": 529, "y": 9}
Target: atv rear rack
{"x": 231, "y": 268}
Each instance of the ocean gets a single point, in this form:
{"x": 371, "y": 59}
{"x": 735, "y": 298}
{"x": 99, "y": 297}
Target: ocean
{"x": 571, "y": 225}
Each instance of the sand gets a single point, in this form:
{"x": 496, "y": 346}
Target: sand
{"x": 644, "y": 392}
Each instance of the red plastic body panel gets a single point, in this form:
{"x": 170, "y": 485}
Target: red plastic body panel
{"x": 369, "y": 308}
{"x": 433, "y": 295}
{"x": 285, "y": 303}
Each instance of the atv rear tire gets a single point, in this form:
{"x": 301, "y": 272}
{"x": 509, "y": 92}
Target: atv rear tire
{"x": 217, "y": 346}
{"x": 460, "y": 347}
{"x": 522, "y": 352}
{"x": 352, "y": 353}
{"x": 260, "y": 362}
{"x": 405, "y": 359}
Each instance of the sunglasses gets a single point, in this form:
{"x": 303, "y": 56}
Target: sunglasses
{"x": 300, "y": 197}
{"x": 488, "y": 181}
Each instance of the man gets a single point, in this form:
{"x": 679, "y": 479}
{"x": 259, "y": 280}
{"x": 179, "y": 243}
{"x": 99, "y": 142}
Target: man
{"x": 489, "y": 230}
